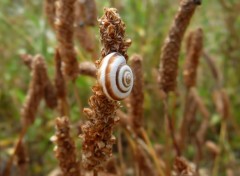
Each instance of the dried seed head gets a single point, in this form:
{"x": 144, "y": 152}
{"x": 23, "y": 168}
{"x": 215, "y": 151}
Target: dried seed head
{"x": 50, "y": 11}
{"x": 194, "y": 52}
{"x": 65, "y": 150}
{"x": 59, "y": 79}
{"x": 171, "y": 48}
{"x": 91, "y": 12}
{"x": 49, "y": 90}
{"x": 64, "y": 30}
{"x": 97, "y": 131}
{"x": 182, "y": 167}
{"x": 112, "y": 33}
{"x": 136, "y": 96}
{"x": 60, "y": 86}
{"x": 35, "y": 90}
{"x": 50, "y": 95}
{"x": 85, "y": 14}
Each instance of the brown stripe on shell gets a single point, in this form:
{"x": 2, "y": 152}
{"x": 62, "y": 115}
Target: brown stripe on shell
{"x": 117, "y": 81}
{"x": 107, "y": 81}
{"x": 123, "y": 79}
{"x": 126, "y": 82}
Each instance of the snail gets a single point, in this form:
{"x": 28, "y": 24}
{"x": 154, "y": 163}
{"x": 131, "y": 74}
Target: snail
{"x": 115, "y": 76}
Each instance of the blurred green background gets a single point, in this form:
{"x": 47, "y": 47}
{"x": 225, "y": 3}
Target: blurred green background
{"x": 24, "y": 29}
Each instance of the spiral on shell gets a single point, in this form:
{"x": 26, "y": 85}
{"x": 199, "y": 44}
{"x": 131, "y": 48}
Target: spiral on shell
{"x": 115, "y": 76}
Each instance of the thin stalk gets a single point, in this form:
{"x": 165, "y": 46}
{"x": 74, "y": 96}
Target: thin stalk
{"x": 64, "y": 107}
{"x": 6, "y": 171}
{"x": 184, "y": 122}
{"x": 134, "y": 148}
{"x": 120, "y": 151}
{"x": 222, "y": 138}
{"x": 171, "y": 126}
{"x": 152, "y": 153}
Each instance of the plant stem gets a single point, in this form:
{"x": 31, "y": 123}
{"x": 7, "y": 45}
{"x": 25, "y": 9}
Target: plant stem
{"x": 171, "y": 126}
{"x": 7, "y": 169}
{"x": 222, "y": 138}
{"x": 152, "y": 152}
{"x": 120, "y": 151}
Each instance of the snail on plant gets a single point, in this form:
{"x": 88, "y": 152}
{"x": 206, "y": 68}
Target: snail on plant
{"x": 115, "y": 76}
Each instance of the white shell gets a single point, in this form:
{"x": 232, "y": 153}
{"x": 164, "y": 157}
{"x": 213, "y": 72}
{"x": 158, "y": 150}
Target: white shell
{"x": 115, "y": 76}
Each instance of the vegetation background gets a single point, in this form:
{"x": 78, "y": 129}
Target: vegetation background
{"x": 24, "y": 29}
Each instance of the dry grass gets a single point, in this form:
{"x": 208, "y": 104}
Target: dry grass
{"x": 183, "y": 126}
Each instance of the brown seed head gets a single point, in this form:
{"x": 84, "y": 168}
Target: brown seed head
{"x": 137, "y": 96}
{"x": 112, "y": 33}
{"x": 59, "y": 79}
{"x": 87, "y": 11}
{"x": 64, "y": 30}
{"x": 182, "y": 167}
{"x": 35, "y": 90}
{"x": 49, "y": 90}
{"x": 84, "y": 16}
{"x": 97, "y": 131}
{"x": 65, "y": 150}
{"x": 50, "y": 11}
{"x": 171, "y": 48}
{"x": 194, "y": 52}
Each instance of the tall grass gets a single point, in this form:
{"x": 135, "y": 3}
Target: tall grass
{"x": 202, "y": 133}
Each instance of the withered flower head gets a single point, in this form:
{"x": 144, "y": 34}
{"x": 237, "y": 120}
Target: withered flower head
{"x": 97, "y": 131}
{"x": 35, "y": 90}
{"x": 194, "y": 51}
{"x": 170, "y": 51}
{"x": 136, "y": 98}
{"x": 112, "y": 33}
{"x": 64, "y": 24}
{"x": 65, "y": 150}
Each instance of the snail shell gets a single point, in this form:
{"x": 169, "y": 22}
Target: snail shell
{"x": 115, "y": 76}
